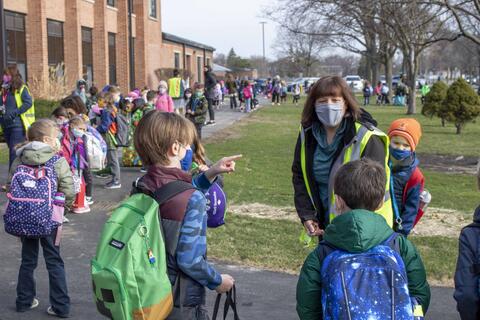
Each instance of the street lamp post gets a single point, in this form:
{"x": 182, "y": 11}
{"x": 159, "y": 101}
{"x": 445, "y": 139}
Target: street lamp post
{"x": 263, "y": 41}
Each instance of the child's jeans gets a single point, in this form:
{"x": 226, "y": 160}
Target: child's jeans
{"x": 88, "y": 177}
{"x": 114, "y": 164}
{"x": 366, "y": 100}
{"x": 248, "y": 103}
{"x": 56, "y": 274}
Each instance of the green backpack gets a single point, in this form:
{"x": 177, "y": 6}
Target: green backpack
{"x": 129, "y": 270}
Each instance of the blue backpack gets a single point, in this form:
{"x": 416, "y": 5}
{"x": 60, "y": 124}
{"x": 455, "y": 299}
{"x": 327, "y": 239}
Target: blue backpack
{"x": 30, "y": 201}
{"x": 368, "y": 285}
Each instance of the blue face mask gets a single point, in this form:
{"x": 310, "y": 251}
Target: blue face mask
{"x": 400, "y": 154}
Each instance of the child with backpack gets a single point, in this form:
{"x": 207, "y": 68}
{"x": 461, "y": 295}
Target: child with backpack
{"x": 183, "y": 221}
{"x": 108, "y": 129}
{"x": 197, "y": 108}
{"x": 79, "y": 165}
{"x": 409, "y": 199}
{"x": 467, "y": 273}
{"x": 362, "y": 267}
{"x": 247, "y": 96}
{"x": 296, "y": 94}
{"x": 164, "y": 101}
{"x": 367, "y": 92}
{"x": 150, "y": 104}
{"x": 38, "y": 158}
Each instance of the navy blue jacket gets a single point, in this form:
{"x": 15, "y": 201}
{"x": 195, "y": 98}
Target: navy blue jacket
{"x": 467, "y": 278}
{"x": 11, "y": 118}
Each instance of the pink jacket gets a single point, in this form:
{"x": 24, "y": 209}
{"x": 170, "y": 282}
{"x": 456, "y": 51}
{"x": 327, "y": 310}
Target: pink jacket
{"x": 164, "y": 103}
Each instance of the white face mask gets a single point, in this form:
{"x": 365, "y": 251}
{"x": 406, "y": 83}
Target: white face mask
{"x": 162, "y": 90}
{"x": 188, "y": 96}
{"x": 330, "y": 114}
{"x": 77, "y": 133}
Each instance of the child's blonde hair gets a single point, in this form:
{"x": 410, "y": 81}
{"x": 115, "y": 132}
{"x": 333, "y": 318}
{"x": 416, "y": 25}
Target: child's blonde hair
{"x": 40, "y": 129}
{"x": 77, "y": 122}
{"x": 157, "y": 132}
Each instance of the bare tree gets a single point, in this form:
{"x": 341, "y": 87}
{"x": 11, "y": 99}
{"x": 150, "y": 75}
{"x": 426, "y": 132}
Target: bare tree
{"x": 467, "y": 16}
{"x": 302, "y": 49}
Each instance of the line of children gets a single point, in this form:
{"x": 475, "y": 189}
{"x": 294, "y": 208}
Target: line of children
{"x": 197, "y": 107}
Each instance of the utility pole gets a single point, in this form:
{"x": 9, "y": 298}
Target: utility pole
{"x": 3, "y": 41}
{"x": 263, "y": 41}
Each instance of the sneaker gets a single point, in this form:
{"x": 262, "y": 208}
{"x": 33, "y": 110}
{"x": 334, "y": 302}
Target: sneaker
{"x": 212, "y": 123}
{"x": 34, "y": 304}
{"x": 65, "y": 220}
{"x": 89, "y": 200}
{"x": 85, "y": 209}
{"x": 51, "y": 312}
{"x": 113, "y": 185}
{"x": 143, "y": 170}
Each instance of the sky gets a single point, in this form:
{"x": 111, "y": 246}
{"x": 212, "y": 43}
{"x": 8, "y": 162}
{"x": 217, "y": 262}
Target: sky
{"x": 222, "y": 24}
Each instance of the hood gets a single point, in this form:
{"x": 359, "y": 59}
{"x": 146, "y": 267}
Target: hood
{"x": 476, "y": 215}
{"x": 366, "y": 118}
{"x": 35, "y": 153}
{"x": 158, "y": 176}
{"x": 357, "y": 231}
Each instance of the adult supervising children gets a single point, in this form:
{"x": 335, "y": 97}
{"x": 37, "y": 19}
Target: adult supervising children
{"x": 334, "y": 130}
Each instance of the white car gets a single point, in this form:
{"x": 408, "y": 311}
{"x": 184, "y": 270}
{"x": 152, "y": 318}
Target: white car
{"x": 355, "y": 82}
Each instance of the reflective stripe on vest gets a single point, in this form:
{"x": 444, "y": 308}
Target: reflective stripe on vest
{"x": 351, "y": 152}
{"x": 28, "y": 117}
{"x": 174, "y": 87}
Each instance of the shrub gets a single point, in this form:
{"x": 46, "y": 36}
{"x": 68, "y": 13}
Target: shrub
{"x": 434, "y": 100}
{"x": 461, "y": 105}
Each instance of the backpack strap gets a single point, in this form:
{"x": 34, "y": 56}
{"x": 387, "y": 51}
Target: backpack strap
{"x": 415, "y": 178}
{"x": 393, "y": 242}
{"x": 170, "y": 190}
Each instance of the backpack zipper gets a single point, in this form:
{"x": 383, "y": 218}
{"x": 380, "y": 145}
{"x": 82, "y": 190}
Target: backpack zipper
{"x": 346, "y": 295}
{"x": 393, "y": 295}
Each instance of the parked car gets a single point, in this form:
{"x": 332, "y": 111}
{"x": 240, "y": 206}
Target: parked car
{"x": 355, "y": 82}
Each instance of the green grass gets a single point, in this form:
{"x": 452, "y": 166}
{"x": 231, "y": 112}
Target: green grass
{"x": 274, "y": 245}
{"x": 267, "y": 141}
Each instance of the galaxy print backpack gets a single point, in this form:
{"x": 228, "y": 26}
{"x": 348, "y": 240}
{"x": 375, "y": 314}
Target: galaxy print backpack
{"x": 367, "y": 285}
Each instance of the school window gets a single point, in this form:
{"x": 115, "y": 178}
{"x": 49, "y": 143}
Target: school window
{"x": 15, "y": 40}
{"x": 177, "y": 60}
{"x": 199, "y": 69}
{"x": 208, "y": 61}
{"x": 111, "y": 3}
{"x": 189, "y": 63}
{"x": 112, "y": 58}
{"x": 55, "y": 43}
{"x": 87, "y": 55}
{"x": 153, "y": 8}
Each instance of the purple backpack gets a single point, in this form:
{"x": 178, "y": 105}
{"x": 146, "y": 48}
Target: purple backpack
{"x": 216, "y": 206}
{"x": 30, "y": 201}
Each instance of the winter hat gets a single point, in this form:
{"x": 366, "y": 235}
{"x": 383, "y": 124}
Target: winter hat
{"x": 407, "y": 128}
{"x": 163, "y": 83}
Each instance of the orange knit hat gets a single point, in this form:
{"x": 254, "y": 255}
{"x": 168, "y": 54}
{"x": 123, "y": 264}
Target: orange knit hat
{"x": 407, "y": 128}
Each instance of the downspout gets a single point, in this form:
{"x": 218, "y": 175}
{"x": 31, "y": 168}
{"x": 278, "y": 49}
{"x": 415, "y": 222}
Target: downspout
{"x": 131, "y": 49}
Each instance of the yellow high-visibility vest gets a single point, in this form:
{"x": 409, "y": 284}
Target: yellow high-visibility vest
{"x": 351, "y": 152}
{"x": 174, "y": 87}
{"x": 28, "y": 117}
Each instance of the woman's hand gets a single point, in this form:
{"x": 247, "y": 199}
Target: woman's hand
{"x": 312, "y": 227}
{"x": 224, "y": 165}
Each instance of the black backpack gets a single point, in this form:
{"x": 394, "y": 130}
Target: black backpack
{"x": 123, "y": 130}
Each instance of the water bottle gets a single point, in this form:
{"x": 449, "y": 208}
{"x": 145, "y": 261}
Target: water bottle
{"x": 59, "y": 199}
{"x": 425, "y": 199}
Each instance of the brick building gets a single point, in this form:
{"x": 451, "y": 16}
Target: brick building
{"x": 91, "y": 39}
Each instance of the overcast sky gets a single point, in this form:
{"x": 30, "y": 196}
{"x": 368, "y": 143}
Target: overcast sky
{"x": 222, "y": 24}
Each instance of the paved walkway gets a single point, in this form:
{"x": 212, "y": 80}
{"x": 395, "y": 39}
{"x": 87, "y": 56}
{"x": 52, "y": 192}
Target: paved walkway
{"x": 261, "y": 294}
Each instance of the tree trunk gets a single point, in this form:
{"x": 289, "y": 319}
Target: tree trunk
{"x": 368, "y": 67}
{"x": 459, "y": 128}
{"x": 443, "y": 122}
{"x": 374, "y": 78}
{"x": 412, "y": 65}
{"x": 389, "y": 73}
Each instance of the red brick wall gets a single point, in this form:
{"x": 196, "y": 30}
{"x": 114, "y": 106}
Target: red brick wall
{"x": 72, "y": 43}
{"x": 36, "y": 39}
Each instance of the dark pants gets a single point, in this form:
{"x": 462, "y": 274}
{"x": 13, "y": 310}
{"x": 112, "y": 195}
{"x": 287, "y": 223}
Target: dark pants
{"x": 88, "y": 177}
{"x": 199, "y": 126}
{"x": 275, "y": 97}
{"x": 211, "y": 111}
{"x": 56, "y": 275}
{"x": 366, "y": 100}
{"x": 13, "y": 136}
{"x": 233, "y": 101}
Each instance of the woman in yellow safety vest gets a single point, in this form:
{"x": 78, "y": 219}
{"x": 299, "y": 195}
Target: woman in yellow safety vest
{"x": 334, "y": 131}
{"x": 17, "y": 111}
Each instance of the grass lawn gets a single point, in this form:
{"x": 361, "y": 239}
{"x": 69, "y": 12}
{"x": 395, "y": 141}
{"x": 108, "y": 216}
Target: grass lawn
{"x": 267, "y": 140}
{"x": 274, "y": 245}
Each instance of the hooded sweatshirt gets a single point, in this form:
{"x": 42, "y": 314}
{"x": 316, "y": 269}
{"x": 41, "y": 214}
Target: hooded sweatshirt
{"x": 466, "y": 280}
{"x": 357, "y": 231}
{"x": 38, "y": 153}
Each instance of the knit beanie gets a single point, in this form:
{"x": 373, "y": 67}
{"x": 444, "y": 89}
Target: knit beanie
{"x": 407, "y": 128}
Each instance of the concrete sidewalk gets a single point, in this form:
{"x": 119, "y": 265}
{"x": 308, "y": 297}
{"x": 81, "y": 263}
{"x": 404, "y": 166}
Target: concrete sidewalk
{"x": 261, "y": 294}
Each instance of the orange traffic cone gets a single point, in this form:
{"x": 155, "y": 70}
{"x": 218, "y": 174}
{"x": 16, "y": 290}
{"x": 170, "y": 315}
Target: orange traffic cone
{"x": 80, "y": 205}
